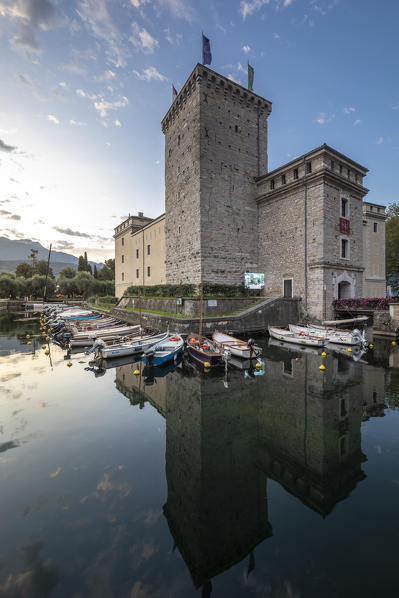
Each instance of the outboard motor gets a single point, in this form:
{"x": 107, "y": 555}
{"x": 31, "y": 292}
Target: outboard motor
{"x": 251, "y": 344}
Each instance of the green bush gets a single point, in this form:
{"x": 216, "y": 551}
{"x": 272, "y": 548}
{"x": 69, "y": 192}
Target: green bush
{"x": 162, "y": 290}
{"x": 224, "y": 290}
{"x": 110, "y": 299}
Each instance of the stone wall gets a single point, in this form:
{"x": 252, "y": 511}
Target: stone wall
{"x": 189, "y": 307}
{"x": 215, "y": 144}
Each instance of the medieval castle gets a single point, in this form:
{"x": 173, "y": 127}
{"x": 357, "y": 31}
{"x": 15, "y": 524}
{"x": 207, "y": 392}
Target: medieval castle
{"x": 304, "y": 225}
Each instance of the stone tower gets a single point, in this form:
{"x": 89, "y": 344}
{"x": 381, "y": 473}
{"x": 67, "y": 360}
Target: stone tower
{"x": 215, "y": 146}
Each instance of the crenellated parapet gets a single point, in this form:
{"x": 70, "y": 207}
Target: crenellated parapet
{"x": 205, "y": 77}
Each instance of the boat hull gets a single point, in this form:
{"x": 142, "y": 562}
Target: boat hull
{"x": 294, "y": 338}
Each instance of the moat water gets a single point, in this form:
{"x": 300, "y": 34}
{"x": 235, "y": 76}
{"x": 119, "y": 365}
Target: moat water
{"x": 283, "y": 484}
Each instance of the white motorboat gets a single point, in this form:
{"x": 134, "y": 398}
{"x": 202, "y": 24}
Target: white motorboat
{"x": 87, "y": 336}
{"x": 135, "y": 346}
{"x": 237, "y": 347}
{"x": 333, "y": 335}
{"x": 299, "y": 338}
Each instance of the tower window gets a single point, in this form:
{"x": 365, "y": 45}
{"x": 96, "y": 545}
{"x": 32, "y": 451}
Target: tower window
{"x": 344, "y": 249}
{"x": 148, "y": 271}
{"x": 356, "y": 178}
{"x": 375, "y": 227}
{"x": 178, "y": 140}
{"x": 340, "y": 169}
{"x": 123, "y": 241}
{"x": 123, "y": 259}
{"x": 295, "y": 174}
{"x": 137, "y": 272}
{"x": 344, "y": 208}
{"x": 308, "y": 167}
{"x": 236, "y": 129}
{"x": 283, "y": 179}
{"x": 272, "y": 184}
{"x": 137, "y": 254}
{"x": 148, "y": 249}
{"x": 348, "y": 172}
{"x": 332, "y": 164}
{"x": 123, "y": 276}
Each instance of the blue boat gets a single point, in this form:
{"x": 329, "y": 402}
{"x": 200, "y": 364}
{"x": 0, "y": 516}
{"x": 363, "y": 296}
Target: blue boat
{"x": 164, "y": 351}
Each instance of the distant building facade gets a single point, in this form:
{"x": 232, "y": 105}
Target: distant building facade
{"x": 302, "y": 225}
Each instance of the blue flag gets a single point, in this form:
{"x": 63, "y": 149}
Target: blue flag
{"x": 206, "y": 50}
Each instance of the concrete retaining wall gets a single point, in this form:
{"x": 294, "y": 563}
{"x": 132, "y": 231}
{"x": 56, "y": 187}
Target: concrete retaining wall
{"x": 275, "y": 312}
{"x": 190, "y": 307}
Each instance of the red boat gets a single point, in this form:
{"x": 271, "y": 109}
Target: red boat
{"x": 202, "y": 350}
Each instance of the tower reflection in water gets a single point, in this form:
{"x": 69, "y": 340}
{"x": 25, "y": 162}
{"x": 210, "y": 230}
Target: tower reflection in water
{"x": 225, "y": 438}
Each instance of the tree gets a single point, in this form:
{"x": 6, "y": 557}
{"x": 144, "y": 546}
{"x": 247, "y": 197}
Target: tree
{"x": 81, "y": 264}
{"x": 67, "y": 273}
{"x": 33, "y": 256}
{"x": 41, "y": 268}
{"x": 24, "y": 270}
{"x": 8, "y": 286}
{"x": 107, "y": 272}
{"x": 95, "y": 273}
{"x": 392, "y": 245}
{"x": 85, "y": 283}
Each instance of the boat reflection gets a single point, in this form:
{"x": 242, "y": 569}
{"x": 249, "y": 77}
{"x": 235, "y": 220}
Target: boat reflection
{"x": 294, "y": 425}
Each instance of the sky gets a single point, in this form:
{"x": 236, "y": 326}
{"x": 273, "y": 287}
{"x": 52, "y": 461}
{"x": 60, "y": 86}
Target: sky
{"x": 86, "y": 83}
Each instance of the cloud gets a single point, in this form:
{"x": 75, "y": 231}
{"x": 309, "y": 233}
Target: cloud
{"x": 349, "y": 110}
{"x": 30, "y": 17}
{"x": 246, "y": 49}
{"x": 63, "y": 84}
{"x": 233, "y": 78}
{"x": 84, "y": 94}
{"x": 95, "y": 16}
{"x": 357, "y": 122}
{"x": 77, "y": 123}
{"x": 249, "y": 7}
{"x": 142, "y": 40}
{"x": 6, "y": 148}
{"x": 9, "y": 216}
{"x": 117, "y": 123}
{"x": 74, "y": 68}
{"x": 380, "y": 140}
{"x": 4, "y": 212}
{"x": 103, "y": 106}
{"x": 172, "y": 40}
{"x": 181, "y": 9}
{"x": 276, "y": 36}
{"x": 323, "y": 118}
{"x": 62, "y": 245}
{"x": 150, "y": 73}
{"x": 72, "y": 233}
{"x": 53, "y": 119}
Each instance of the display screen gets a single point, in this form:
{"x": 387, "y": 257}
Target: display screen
{"x": 254, "y": 280}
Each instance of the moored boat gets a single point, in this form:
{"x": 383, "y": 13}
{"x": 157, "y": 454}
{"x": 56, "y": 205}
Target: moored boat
{"x": 109, "y": 349}
{"x": 299, "y": 338}
{"x": 333, "y": 335}
{"x": 237, "y": 347}
{"x": 204, "y": 351}
{"x": 164, "y": 351}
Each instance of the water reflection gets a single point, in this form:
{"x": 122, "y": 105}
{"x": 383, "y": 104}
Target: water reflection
{"x": 293, "y": 425}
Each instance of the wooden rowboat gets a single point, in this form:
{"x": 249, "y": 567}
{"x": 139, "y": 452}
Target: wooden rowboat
{"x": 297, "y": 338}
{"x": 204, "y": 351}
{"x": 237, "y": 347}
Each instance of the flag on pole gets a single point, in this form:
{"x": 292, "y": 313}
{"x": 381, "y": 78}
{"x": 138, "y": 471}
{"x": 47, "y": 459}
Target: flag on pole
{"x": 174, "y": 92}
{"x": 206, "y": 50}
{"x": 251, "y": 73}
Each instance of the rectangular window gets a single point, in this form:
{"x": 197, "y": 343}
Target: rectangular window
{"x": 137, "y": 273}
{"x": 137, "y": 254}
{"x": 344, "y": 208}
{"x": 375, "y": 227}
{"x": 295, "y": 174}
{"x": 356, "y": 178}
{"x": 123, "y": 276}
{"x": 287, "y": 288}
{"x": 348, "y": 172}
{"x": 123, "y": 259}
{"x": 283, "y": 179}
{"x": 308, "y": 167}
{"x": 343, "y": 411}
{"x": 332, "y": 164}
{"x": 148, "y": 249}
{"x": 344, "y": 249}
{"x": 148, "y": 271}
{"x": 123, "y": 241}
{"x": 272, "y": 185}
{"x": 340, "y": 169}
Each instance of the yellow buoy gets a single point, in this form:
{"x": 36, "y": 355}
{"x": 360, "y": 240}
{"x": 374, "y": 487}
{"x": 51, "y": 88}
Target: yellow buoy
{"x": 324, "y": 354}
{"x": 136, "y": 372}
{"x": 28, "y": 336}
{"x": 44, "y": 346}
{"x": 349, "y": 350}
{"x": 322, "y": 367}
{"x": 47, "y": 338}
{"x": 69, "y": 364}
{"x": 28, "y": 343}
{"x": 371, "y": 345}
{"x": 258, "y": 365}
{"x": 394, "y": 342}
{"x": 47, "y": 352}
{"x": 206, "y": 364}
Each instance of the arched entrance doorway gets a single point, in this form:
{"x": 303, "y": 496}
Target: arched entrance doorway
{"x": 344, "y": 290}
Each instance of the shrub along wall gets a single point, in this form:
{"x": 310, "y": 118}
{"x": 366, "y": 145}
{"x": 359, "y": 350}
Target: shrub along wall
{"x": 209, "y": 289}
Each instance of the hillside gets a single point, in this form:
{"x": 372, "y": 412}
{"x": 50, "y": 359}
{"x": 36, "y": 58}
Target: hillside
{"x": 13, "y": 252}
